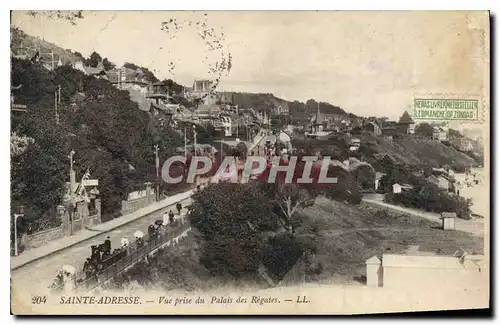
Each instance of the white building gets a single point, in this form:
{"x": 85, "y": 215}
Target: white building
{"x": 226, "y": 125}
{"x": 439, "y": 134}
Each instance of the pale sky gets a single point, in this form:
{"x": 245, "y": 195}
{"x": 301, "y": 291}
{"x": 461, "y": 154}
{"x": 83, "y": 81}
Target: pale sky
{"x": 368, "y": 63}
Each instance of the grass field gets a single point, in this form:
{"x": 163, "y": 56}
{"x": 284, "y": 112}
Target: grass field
{"x": 343, "y": 237}
{"x": 346, "y": 236}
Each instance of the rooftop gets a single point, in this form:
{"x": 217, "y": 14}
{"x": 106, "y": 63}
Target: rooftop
{"x": 423, "y": 260}
{"x": 406, "y": 118}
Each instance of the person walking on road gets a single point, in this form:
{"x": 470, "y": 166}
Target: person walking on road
{"x": 179, "y": 208}
{"x": 107, "y": 246}
{"x": 165, "y": 217}
{"x": 171, "y": 217}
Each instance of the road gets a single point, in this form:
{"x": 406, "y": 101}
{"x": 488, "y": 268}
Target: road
{"x": 37, "y": 276}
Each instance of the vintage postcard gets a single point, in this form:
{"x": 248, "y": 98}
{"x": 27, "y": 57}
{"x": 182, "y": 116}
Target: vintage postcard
{"x": 232, "y": 162}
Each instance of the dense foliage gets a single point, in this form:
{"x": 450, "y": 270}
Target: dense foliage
{"x": 429, "y": 197}
{"x": 231, "y": 218}
{"x": 149, "y": 75}
{"x": 424, "y": 129}
{"x": 109, "y": 134}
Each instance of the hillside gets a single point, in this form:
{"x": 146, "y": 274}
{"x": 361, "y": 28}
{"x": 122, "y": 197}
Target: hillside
{"x": 346, "y": 236}
{"x": 24, "y": 44}
{"x": 106, "y": 129}
{"x": 298, "y": 110}
{"x": 341, "y": 237}
{"x": 414, "y": 151}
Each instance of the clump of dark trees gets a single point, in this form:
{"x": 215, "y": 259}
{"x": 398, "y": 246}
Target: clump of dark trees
{"x": 107, "y": 131}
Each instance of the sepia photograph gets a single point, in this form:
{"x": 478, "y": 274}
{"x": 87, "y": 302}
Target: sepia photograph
{"x": 249, "y": 162}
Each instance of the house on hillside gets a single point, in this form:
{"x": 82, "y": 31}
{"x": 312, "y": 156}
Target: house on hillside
{"x": 398, "y": 188}
{"x": 466, "y": 144}
{"x": 317, "y": 122}
{"x": 90, "y": 71}
{"x": 225, "y": 98}
{"x": 355, "y": 144}
{"x": 203, "y": 89}
{"x": 124, "y": 76}
{"x": 440, "y": 181}
{"x": 160, "y": 101}
{"x": 318, "y": 127}
{"x": 391, "y": 129}
{"x": 374, "y": 126}
{"x": 281, "y": 109}
{"x": 439, "y": 134}
{"x": 406, "y": 124}
{"x": 207, "y": 114}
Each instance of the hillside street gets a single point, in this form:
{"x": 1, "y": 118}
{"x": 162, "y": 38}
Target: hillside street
{"x": 39, "y": 274}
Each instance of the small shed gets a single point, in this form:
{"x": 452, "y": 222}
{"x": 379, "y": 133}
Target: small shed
{"x": 396, "y": 188}
{"x": 373, "y": 272}
{"x": 448, "y": 220}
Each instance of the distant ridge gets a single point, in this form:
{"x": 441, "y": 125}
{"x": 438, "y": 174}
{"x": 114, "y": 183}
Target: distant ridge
{"x": 23, "y": 44}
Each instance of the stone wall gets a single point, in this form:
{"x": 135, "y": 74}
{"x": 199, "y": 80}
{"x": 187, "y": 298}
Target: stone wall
{"x": 133, "y": 205}
{"x": 80, "y": 222}
{"x": 43, "y": 237}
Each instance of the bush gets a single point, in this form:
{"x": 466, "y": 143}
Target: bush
{"x": 430, "y": 198}
{"x": 355, "y": 197}
{"x": 280, "y": 254}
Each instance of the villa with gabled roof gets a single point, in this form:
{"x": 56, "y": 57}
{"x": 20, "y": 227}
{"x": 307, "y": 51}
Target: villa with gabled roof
{"x": 406, "y": 123}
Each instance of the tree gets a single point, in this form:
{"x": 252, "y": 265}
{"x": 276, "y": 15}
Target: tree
{"x": 424, "y": 129}
{"x": 429, "y": 197}
{"x": 105, "y": 128}
{"x": 241, "y": 150}
{"x": 232, "y": 219}
{"x": 288, "y": 197}
{"x": 93, "y": 60}
{"x": 78, "y": 54}
{"x": 454, "y": 133}
{"x": 107, "y": 64}
{"x": 148, "y": 74}
{"x": 276, "y": 124}
{"x": 70, "y": 15}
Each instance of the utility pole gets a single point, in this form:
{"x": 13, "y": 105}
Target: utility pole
{"x": 55, "y": 107}
{"x": 194, "y": 136}
{"x": 20, "y": 214}
{"x": 185, "y": 145}
{"x": 70, "y": 206}
{"x": 57, "y": 101}
{"x": 157, "y": 174}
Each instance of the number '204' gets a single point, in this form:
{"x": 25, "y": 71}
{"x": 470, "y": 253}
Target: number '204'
{"x": 36, "y": 300}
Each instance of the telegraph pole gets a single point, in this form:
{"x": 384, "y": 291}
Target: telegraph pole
{"x": 57, "y": 101}
{"x": 185, "y": 145}
{"x": 72, "y": 198}
{"x": 55, "y": 107}
{"x": 157, "y": 174}
{"x": 18, "y": 215}
{"x": 237, "y": 122}
{"x": 194, "y": 136}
